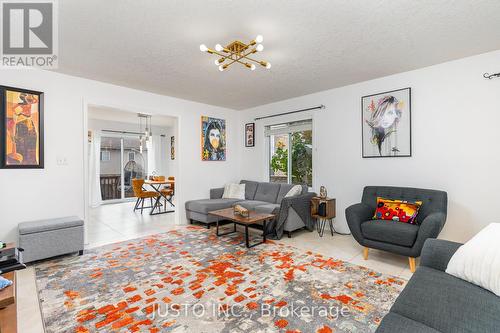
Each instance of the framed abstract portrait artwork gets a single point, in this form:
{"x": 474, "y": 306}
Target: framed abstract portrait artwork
{"x": 21, "y": 137}
{"x": 250, "y": 135}
{"x": 213, "y": 139}
{"x": 386, "y": 124}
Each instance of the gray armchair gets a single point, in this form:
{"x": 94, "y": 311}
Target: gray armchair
{"x": 396, "y": 237}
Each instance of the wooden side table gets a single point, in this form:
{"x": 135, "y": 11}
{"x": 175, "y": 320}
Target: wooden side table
{"x": 8, "y": 308}
{"x": 327, "y": 216}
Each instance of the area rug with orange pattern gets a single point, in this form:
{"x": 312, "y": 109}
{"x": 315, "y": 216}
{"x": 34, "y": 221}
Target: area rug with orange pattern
{"x": 189, "y": 280}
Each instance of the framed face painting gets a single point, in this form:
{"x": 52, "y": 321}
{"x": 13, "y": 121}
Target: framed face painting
{"x": 21, "y": 134}
{"x": 213, "y": 139}
{"x": 386, "y": 124}
{"x": 250, "y": 135}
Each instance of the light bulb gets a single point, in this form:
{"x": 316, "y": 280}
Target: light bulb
{"x": 259, "y": 39}
{"x": 268, "y": 65}
{"x": 219, "y": 48}
{"x": 216, "y": 62}
{"x": 203, "y": 48}
{"x": 259, "y": 48}
{"x": 252, "y": 67}
{"x": 221, "y": 68}
{"x": 140, "y": 148}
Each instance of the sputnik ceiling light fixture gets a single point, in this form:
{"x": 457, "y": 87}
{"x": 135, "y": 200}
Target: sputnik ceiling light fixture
{"x": 238, "y": 52}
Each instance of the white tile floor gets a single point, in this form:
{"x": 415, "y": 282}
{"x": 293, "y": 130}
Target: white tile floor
{"x": 115, "y": 223}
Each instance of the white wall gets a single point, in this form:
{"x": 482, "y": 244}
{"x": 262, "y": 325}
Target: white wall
{"x": 455, "y": 133}
{"x": 58, "y": 190}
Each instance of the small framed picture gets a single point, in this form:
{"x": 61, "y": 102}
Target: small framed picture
{"x": 21, "y": 134}
{"x": 386, "y": 124}
{"x": 250, "y": 135}
{"x": 172, "y": 147}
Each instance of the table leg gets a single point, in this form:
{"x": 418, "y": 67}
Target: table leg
{"x": 331, "y": 225}
{"x": 264, "y": 231}
{"x": 158, "y": 202}
{"x": 247, "y": 241}
{"x": 322, "y": 224}
{"x": 225, "y": 233}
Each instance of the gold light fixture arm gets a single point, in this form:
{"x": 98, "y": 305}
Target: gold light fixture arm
{"x": 236, "y": 52}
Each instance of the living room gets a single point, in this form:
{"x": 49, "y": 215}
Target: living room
{"x": 314, "y": 118}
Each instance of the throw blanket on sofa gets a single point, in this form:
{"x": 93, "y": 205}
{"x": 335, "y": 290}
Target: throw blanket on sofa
{"x": 301, "y": 204}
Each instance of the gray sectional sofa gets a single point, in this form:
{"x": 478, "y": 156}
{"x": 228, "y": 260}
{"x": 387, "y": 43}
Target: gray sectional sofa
{"x": 292, "y": 213}
{"x": 434, "y": 301}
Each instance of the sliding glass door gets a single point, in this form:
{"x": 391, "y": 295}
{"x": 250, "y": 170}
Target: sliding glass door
{"x": 134, "y": 163}
{"x": 121, "y": 161}
{"x": 290, "y": 153}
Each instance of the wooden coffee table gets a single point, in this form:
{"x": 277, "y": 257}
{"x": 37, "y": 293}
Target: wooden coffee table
{"x": 254, "y": 218}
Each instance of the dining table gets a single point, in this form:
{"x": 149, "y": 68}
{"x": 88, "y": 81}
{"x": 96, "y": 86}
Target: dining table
{"x": 156, "y": 185}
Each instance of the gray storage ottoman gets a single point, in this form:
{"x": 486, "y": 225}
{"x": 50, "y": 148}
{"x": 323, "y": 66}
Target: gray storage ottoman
{"x": 49, "y": 238}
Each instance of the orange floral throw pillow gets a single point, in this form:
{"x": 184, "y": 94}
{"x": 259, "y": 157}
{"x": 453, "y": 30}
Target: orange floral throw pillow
{"x": 397, "y": 210}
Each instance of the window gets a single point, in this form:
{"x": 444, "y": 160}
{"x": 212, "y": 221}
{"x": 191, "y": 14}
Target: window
{"x": 131, "y": 156}
{"x": 290, "y": 153}
{"x": 105, "y": 155}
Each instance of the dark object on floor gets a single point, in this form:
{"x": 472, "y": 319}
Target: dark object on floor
{"x": 397, "y": 237}
{"x": 434, "y": 301}
{"x": 49, "y": 238}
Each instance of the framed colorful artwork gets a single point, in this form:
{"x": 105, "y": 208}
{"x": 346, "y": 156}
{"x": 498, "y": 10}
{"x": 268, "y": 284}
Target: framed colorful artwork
{"x": 213, "y": 139}
{"x": 172, "y": 147}
{"x": 21, "y": 139}
{"x": 250, "y": 135}
{"x": 386, "y": 124}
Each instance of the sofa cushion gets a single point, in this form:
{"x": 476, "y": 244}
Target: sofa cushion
{"x": 250, "y": 204}
{"x": 267, "y": 192}
{"x": 207, "y": 205}
{"x": 397, "y": 233}
{"x": 250, "y": 189}
{"x": 26, "y": 228}
{"x": 432, "y": 200}
{"x": 284, "y": 189}
{"x": 448, "y": 304}
{"x": 394, "y": 322}
{"x": 234, "y": 191}
{"x": 268, "y": 209}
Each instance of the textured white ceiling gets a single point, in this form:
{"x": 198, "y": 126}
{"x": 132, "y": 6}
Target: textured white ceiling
{"x": 312, "y": 45}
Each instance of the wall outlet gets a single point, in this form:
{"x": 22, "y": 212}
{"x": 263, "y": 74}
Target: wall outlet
{"x": 62, "y": 160}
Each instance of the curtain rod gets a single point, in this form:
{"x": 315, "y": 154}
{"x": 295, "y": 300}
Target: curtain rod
{"x": 126, "y": 132}
{"x": 290, "y": 112}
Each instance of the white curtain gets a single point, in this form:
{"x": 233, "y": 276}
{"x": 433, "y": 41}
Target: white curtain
{"x": 95, "y": 170}
{"x": 155, "y": 153}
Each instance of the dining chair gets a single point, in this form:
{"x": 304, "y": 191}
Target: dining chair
{"x": 141, "y": 194}
{"x": 169, "y": 191}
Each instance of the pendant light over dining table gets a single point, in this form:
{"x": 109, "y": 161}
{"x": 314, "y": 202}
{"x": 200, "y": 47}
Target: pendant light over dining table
{"x": 146, "y": 132}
